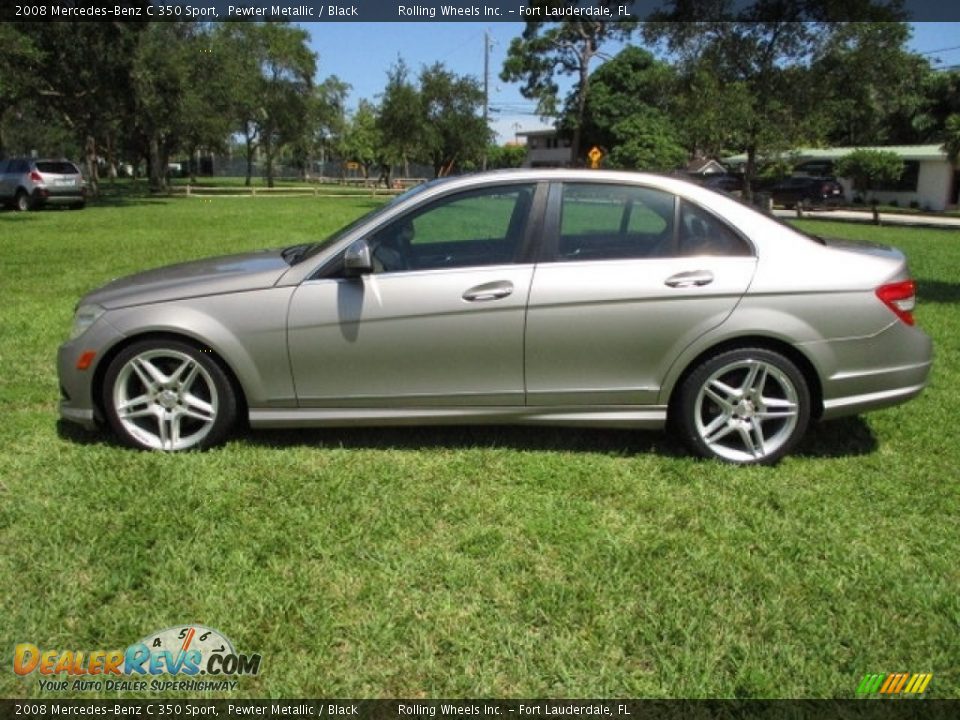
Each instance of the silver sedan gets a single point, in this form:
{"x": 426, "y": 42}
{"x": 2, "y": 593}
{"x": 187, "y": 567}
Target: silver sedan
{"x": 563, "y": 297}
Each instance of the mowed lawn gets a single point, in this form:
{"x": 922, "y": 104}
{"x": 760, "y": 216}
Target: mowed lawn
{"x": 468, "y": 561}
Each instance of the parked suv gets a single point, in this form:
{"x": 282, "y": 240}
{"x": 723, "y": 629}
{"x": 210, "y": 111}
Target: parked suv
{"x": 808, "y": 191}
{"x": 26, "y": 183}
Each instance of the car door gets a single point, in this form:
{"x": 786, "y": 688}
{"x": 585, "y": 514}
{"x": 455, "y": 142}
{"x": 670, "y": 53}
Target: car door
{"x": 439, "y": 321}
{"x": 632, "y": 275}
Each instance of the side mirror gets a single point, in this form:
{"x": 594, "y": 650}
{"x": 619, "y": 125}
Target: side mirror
{"x": 357, "y": 259}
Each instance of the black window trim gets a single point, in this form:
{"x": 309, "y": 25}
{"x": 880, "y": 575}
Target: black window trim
{"x": 554, "y": 213}
{"x": 529, "y": 244}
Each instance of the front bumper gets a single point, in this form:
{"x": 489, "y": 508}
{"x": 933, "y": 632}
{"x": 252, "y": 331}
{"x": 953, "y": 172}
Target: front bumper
{"x": 77, "y": 403}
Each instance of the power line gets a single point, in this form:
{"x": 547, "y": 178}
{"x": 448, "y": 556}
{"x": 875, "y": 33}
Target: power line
{"x": 934, "y": 52}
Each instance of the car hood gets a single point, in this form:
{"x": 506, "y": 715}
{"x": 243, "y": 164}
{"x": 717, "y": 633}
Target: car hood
{"x": 211, "y": 276}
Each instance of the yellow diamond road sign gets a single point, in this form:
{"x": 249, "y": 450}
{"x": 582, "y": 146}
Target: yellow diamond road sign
{"x": 595, "y": 155}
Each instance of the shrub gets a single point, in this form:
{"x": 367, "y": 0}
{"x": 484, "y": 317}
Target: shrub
{"x": 867, "y": 168}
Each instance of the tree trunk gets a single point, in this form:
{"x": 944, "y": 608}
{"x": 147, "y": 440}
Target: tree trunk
{"x": 268, "y": 149}
{"x": 749, "y": 172}
{"x": 194, "y": 161}
{"x": 111, "y": 158}
{"x": 157, "y": 173}
{"x": 93, "y": 175}
{"x": 250, "y": 149}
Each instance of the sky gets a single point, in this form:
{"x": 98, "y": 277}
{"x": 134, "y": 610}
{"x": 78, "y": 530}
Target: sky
{"x": 361, "y": 53}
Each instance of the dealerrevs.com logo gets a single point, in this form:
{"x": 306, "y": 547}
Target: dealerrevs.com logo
{"x": 183, "y": 653}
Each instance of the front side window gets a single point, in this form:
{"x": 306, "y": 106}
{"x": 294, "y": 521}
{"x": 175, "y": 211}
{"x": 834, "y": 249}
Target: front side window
{"x": 480, "y": 227}
{"x": 608, "y": 222}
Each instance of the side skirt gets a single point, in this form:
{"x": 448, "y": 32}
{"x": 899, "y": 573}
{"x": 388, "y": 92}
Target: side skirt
{"x": 615, "y": 416}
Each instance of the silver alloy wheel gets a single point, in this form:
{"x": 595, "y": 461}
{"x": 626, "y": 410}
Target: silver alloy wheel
{"x": 747, "y": 410}
{"x": 165, "y": 399}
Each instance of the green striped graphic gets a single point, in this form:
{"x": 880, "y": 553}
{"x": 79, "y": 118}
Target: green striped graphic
{"x": 894, "y": 683}
{"x": 871, "y": 683}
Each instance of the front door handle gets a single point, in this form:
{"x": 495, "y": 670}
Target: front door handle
{"x": 489, "y": 291}
{"x": 693, "y": 278}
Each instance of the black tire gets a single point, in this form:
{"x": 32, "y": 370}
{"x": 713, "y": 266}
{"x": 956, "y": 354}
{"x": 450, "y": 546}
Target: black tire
{"x": 78, "y": 206}
{"x": 746, "y": 406}
{"x": 21, "y": 201}
{"x": 172, "y": 396}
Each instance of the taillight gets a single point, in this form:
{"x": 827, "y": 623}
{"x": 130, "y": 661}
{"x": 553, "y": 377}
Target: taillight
{"x": 35, "y": 176}
{"x": 901, "y": 297}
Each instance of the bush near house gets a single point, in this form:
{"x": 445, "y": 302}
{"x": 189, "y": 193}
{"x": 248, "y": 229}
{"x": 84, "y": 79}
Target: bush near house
{"x": 867, "y": 168}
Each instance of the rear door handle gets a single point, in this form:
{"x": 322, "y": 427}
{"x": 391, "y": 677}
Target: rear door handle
{"x": 693, "y": 278}
{"x": 489, "y": 291}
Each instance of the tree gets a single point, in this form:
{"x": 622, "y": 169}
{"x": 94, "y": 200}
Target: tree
{"x": 454, "y": 130}
{"x": 329, "y": 121}
{"x": 18, "y": 54}
{"x": 646, "y": 142}
{"x": 867, "y": 168}
{"x": 287, "y": 67}
{"x": 161, "y": 82}
{"x": 506, "y": 156}
{"x": 362, "y": 142}
{"x": 273, "y": 91}
{"x": 567, "y": 47}
{"x": 626, "y": 112}
{"x": 760, "y": 56}
{"x": 869, "y": 83}
{"x": 209, "y": 100}
{"x": 401, "y": 120}
{"x": 941, "y": 99}
{"x": 82, "y": 72}
{"x": 951, "y": 143}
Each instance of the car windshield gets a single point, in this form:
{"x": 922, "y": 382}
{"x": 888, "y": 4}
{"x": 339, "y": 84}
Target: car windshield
{"x": 298, "y": 253}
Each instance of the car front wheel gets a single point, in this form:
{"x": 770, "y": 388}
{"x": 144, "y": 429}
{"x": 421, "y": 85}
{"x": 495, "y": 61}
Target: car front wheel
{"x": 168, "y": 395}
{"x": 747, "y": 406}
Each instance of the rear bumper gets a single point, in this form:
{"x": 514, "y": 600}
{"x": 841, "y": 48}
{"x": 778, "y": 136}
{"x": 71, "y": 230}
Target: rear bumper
{"x": 874, "y": 372}
{"x": 55, "y": 197}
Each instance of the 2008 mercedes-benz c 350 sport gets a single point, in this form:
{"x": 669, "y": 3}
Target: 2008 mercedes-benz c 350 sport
{"x": 548, "y": 297}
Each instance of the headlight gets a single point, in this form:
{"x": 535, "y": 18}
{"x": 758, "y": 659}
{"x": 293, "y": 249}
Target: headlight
{"x": 85, "y": 316}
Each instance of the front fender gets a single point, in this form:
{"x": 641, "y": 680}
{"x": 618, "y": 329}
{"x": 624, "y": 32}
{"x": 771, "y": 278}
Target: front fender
{"x": 246, "y": 330}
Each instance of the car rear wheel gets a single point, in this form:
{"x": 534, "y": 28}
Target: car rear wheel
{"x": 747, "y": 406}
{"x": 21, "y": 202}
{"x": 168, "y": 395}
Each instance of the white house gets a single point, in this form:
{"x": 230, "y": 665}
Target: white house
{"x": 928, "y": 182}
{"x": 546, "y": 149}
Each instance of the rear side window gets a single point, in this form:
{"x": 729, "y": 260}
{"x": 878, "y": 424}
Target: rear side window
{"x": 57, "y": 167}
{"x": 609, "y": 222}
{"x": 701, "y": 233}
{"x": 18, "y": 166}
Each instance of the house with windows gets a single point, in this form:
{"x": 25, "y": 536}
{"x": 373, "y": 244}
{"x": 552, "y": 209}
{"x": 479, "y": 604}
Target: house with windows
{"x": 545, "y": 148}
{"x": 929, "y": 180}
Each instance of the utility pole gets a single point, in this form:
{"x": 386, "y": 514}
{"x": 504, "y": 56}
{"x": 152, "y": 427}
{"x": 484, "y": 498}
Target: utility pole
{"x": 486, "y": 93}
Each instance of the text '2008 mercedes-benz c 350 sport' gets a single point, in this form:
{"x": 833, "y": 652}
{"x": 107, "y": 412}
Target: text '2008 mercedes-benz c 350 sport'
{"x": 573, "y": 297}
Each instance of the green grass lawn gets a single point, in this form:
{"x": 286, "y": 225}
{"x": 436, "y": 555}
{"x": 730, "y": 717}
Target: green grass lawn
{"x": 470, "y": 561}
